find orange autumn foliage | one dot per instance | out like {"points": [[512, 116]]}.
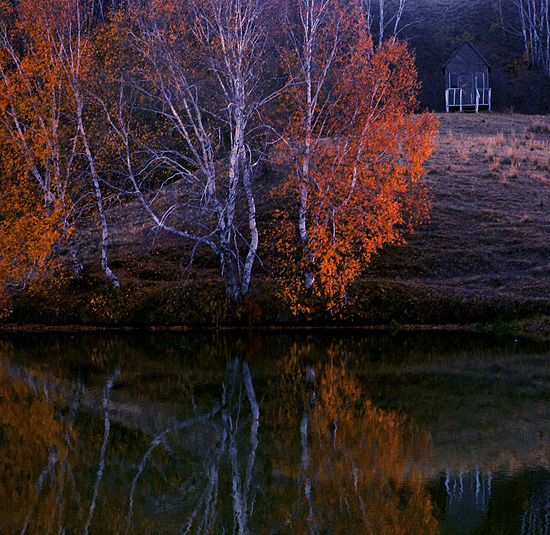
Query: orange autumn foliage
{"points": [[37, 146], [29, 234], [355, 471], [355, 166], [83, 105]]}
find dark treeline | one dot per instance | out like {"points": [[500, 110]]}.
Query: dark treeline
{"points": [[502, 31]]}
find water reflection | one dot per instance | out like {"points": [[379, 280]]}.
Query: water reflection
{"points": [[536, 516], [354, 471], [296, 435], [468, 496], [485, 503], [360, 457], [33, 448], [332, 463]]}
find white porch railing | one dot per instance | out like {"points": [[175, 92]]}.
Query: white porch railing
{"points": [[457, 97]]}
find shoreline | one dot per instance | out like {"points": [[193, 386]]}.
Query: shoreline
{"points": [[487, 329]]}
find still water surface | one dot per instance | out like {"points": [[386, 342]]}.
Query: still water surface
{"points": [[322, 433]]}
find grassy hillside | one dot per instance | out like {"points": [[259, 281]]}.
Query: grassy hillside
{"points": [[483, 257], [487, 244]]}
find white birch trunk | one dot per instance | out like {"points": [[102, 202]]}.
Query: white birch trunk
{"points": [[228, 36], [388, 20], [72, 56], [100, 206], [305, 41], [252, 225], [534, 28], [381, 22]]}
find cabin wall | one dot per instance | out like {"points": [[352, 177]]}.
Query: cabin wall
{"points": [[462, 69], [471, 76], [467, 80]]}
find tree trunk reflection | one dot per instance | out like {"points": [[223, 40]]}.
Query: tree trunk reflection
{"points": [[323, 460]]}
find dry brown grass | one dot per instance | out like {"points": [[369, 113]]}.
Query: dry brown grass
{"points": [[489, 233]]}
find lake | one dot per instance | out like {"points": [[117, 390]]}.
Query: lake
{"points": [[313, 432]]}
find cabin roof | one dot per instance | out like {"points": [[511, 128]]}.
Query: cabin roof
{"points": [[476, 51]]}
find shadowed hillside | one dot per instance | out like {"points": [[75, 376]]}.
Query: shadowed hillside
{"points": [[483, 256], [435, 28]]}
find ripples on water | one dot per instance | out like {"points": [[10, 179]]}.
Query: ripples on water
{"points": [[418, 433]]}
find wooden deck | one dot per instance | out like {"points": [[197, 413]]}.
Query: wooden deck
{"points": [[467, 99]]}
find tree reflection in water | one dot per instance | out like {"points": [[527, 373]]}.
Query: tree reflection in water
{"points": [[30, 437], [356, 462], [309, 455], [42, 456]]}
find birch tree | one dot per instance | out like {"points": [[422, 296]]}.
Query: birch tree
{"points": [[75, 55], [313, 38], [38, 147], [45, 107], [201, 68], [352, 147], [383, 18], [529, 19]]}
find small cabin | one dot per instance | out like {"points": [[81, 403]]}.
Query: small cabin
{"points": [[467, 80]]}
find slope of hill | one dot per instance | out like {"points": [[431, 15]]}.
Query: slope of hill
{"points": [[483, 256], [486, 249]]}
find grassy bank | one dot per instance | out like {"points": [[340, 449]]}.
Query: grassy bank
{"points": [[486, 246], [482, 258]]}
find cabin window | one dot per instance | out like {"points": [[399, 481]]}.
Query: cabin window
{"points": [[453, 80], [480, 80]]}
